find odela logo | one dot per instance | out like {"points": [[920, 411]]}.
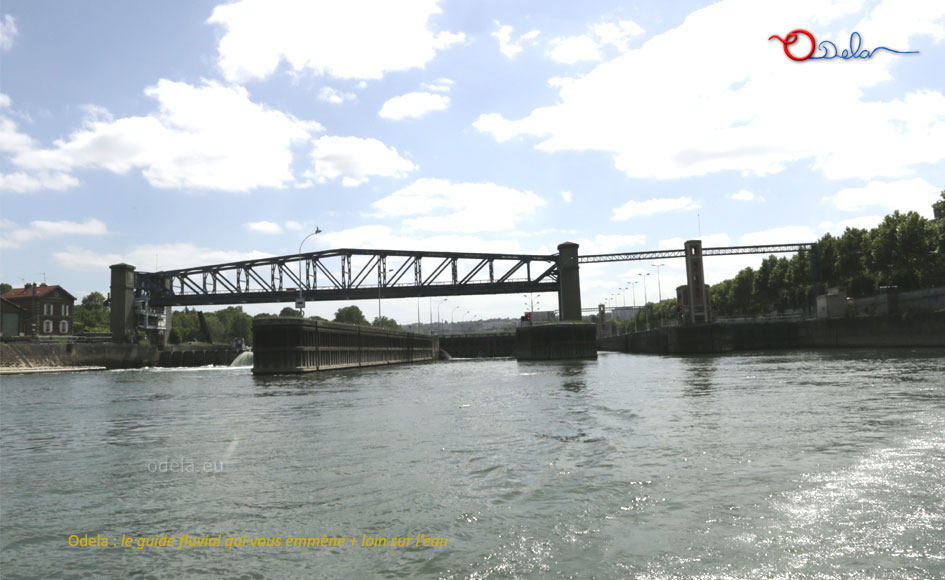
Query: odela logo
{"points": [[829, 49]]}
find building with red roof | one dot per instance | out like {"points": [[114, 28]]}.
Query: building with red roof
{"points": [[45, 310]]}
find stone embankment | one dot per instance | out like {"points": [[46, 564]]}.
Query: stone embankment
{"points": [[32, 356], [906, 330]]}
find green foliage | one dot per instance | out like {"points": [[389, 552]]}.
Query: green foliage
{"points": [[350, 315], [288, 312], [905, 250], [225, 325], [386, 323], [91, 315], [938, 208], [4, 287]]}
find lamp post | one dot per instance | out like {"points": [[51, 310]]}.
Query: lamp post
{"points": [[658, 286], [381, 279], [633, 289], [300, 302], [624, 291], [646, 310], [438, 319], [453, 314]]}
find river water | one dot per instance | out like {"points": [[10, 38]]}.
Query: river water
{"points": [[817, 465]]}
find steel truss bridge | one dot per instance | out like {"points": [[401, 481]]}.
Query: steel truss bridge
{"points": [[352, 274]]}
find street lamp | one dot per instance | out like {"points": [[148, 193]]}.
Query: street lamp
{"points": [[438, 319], [647, 312], [453, 314], [633, 288], [300, 302], [381, 279], [658, 286]]}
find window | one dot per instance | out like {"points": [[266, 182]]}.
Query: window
{"points": [[47, 309], [63, 327], [65, 310], [47, 326]]}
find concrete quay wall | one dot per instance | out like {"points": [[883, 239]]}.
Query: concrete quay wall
{"points": [[479, 345], [556, 341], [284, 345], [29, 354], [875, 331]]}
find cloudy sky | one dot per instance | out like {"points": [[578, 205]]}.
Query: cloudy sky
{"points": [[173, 134]]}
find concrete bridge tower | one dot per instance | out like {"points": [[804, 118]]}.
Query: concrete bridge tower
{"points": [[121, 301], [698, 310], [569, 281]]}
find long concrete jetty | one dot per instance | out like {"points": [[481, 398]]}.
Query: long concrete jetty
{"points": [[294, 345]]}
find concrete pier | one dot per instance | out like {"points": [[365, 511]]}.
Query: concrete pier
{"points": [[556, 342], [292, 345], [479, 345]]}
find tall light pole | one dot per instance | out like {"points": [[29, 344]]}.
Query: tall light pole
{"points": [[381, 279], [624, 290], [647, 311], [658, 286], [300, 302], [453, 314], [633, 288], [438, 319]]}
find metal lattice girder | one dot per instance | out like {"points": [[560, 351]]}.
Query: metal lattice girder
{"points": [[349, 274], [681, 253]]}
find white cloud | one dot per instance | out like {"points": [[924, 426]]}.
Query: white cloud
{"points": [[652, 206], [334, 96], [709, 241], [11, 139], [8, 32], [753, 114], [745, 195], [356, 39], [782, 235], [610, 243], [355, 160], [866, 222], [618, 33], [588, 47], [40, 229], [916, 195], [191, 142], [293, 226], [440, 85], [168, 257], [413, 105], [265, 227], [21, 182], [379, 236], [566, 196], [575, 49], [459, 207], [507, 46]]}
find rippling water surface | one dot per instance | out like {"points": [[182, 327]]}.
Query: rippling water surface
{"points": [[818, 465]]}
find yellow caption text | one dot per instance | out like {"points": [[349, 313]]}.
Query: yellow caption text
{"points": [[184, 541]]}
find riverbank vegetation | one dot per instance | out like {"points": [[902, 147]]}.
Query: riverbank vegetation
{"points": [[905, 251]]}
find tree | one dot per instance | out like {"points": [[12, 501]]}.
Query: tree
{"points": [[938, 208], [91, 315], [290, 313], [386, 323], [94, 300], [4, 287], [350, 315]]}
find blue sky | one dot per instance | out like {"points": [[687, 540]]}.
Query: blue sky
{"points": [[176, 134]]}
